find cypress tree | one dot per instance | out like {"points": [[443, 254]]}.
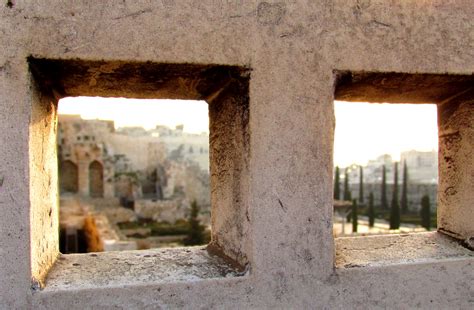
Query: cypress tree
{"points": [[395, 207], [196, 230], [347, 192], [337, 185], [354, 216], [425, 212], [361, 184], [384, 201], [371, 210], [404, 199]]}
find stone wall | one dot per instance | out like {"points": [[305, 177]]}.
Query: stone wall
{"points": [[270, 71]]}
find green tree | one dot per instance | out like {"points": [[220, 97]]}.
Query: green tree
{"points": [[384, 201], [425, 212], [196, 230], [371, 211], [347, 192], [337, 185], [361, 184], [404, 199], [395, 207], [354, 215]]}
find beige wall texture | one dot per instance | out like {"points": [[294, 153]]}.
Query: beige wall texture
{"points": [[269, 72]]}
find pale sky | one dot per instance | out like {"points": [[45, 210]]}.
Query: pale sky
{"points": [[363, 130], [138, 112], [366, 130]]}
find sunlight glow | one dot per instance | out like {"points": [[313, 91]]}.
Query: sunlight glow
{"points": [[363, 130], [139, 112], [366, 130]]}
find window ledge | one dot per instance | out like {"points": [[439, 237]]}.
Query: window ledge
{"points": [[93, 270], [385, 250]]}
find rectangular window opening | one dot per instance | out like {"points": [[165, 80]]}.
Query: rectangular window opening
{"points": [[152, 175], [371, 141], [139, 184], [379, 118]]}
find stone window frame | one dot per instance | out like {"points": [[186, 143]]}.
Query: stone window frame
{"points": [[226, 90], [454, 98]]}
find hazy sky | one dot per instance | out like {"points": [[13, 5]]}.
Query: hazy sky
{"points": [[363, 131], [139, 112], [366, 130]]}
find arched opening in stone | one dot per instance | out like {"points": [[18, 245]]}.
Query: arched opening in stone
{"points": [[96, 179], [68, 177]]}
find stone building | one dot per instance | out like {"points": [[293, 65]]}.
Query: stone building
{"points": [[95, 160], [423, 166], [270, 72], [84, 161]]}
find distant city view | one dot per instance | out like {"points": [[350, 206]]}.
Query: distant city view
{"points": [[131, 187], [129, 183], [386, 168]]}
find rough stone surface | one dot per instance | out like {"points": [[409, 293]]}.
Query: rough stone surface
{"points": [[456, 184], [43, 180], [279, 189], [96, 270], [397, 249], [400, 87]]}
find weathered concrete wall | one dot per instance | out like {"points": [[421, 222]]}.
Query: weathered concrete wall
{"points": [[292, 49], [455, 194], [229, 144], [43, 183]]}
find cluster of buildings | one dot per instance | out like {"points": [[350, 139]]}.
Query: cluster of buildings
{"points": [[135, 165]]}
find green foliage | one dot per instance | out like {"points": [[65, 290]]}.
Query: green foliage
{"points": [[354, 216], [425, 212], [337, 185], [384, 201], [371, 210], [410, 218], [347, 192], [196, 230], [395, 207], [361, 184], [163, 229], [159, 228], [404, 199]]}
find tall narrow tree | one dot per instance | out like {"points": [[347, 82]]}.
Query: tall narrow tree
{"points": [[337, 185], [354, 215], [361, 184], [347, 192], [384, 201], [425, 212], [371, 212], [196, 230], [404, 199], [395, 207]]}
